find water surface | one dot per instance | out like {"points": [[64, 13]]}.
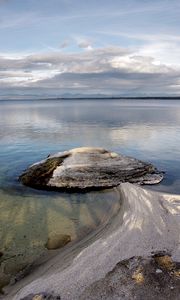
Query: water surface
{"points": [[30, 130]]}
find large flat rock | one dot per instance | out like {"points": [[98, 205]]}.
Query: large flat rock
{"points": [[87, 169]]}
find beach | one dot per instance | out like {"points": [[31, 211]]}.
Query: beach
{"points": [[146, 224]]}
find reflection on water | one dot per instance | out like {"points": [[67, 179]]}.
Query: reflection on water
{"points": [[146, 129], [29, 131]]}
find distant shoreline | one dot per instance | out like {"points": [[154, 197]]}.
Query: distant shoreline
{"points": [[95, 98]]}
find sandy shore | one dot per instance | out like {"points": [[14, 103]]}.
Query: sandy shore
{"points": [[147, 223]]}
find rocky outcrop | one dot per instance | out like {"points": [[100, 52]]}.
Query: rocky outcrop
{"points": [[137, 278], [88, 168]]}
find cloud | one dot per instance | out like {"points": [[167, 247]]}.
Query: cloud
{"points": [[85, 45], [142, 36], [163, 48], [110, 70]]}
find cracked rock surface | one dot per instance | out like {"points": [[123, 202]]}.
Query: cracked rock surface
{"points": [[87, 169]]}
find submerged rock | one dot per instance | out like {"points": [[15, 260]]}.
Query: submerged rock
{"points": [[57, 241], [88, 168]]}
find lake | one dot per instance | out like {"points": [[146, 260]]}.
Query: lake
{"points": [[30, 130]]}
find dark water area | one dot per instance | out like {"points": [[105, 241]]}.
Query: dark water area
{"points": [[30, 130]]}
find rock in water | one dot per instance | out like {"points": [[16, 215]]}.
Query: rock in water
{"points": [[87, 169], [57, 241]]}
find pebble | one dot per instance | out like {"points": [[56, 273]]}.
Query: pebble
{"points": [[158, 271]]}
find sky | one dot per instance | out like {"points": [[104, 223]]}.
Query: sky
{"points": [[64, 48]]}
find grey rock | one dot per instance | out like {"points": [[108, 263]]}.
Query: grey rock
{"points": [[87, 169]]}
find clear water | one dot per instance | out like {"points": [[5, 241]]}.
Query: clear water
{"points": [[29, 131]]}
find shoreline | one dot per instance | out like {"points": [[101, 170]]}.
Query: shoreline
{"points": [[94, 98], [146, 223]]}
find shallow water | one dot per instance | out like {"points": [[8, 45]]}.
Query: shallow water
{"points": [[29, 131]]}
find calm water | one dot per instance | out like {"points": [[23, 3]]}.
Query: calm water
{"points": [[29, 131]]}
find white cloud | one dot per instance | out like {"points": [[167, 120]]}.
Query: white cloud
{"points": [[163, 51], [85, 45], [111, 70], [163, 48], [138, 64]]}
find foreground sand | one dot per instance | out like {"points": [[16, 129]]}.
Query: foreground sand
{"points": [[147, 223]]}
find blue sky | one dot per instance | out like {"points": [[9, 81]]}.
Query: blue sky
{"points": [[70, 47]]}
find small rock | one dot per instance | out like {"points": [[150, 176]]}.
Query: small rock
{"points": [[158, 271], [165, 262], [138, 276], [38, 297], [41, 296], [57, 241]]}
